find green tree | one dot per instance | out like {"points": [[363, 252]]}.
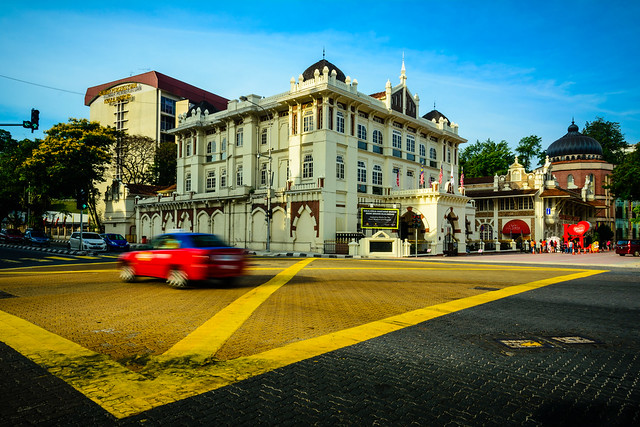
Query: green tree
{"points": [[486, 158], [165, 164], [136, 155], [14, 195], [608, 134], [625, 178], [530, 148], [72, 156]]}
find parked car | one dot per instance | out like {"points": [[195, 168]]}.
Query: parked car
{"points": [[115, 242], [183, 257], [624, 247], [11, 235], [36, 237], [90, 242]]}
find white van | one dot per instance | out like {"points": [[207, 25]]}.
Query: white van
{"points": [[90, 242]]}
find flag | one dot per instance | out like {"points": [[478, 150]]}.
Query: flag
{"points": [[398, 177], [462, 178], [453, 180], [421, 176], [440, 178]]}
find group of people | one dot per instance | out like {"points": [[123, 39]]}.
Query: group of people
{"points": [[571, 247]]}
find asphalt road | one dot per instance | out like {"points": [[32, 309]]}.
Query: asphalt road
{"points": [[322, 342]]}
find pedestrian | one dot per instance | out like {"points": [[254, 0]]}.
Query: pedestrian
{"points": [[571, 247]]}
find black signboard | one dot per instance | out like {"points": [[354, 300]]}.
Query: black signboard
{"points": [[379, 218]]}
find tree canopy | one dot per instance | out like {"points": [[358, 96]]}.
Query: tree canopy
{"points": [[72, 156], [625, 178], [529, 149], [165, 164], [136, 156], [609, 136], [486, 158]]}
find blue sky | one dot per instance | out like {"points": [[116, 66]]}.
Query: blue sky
{"points": [[500, 69]]}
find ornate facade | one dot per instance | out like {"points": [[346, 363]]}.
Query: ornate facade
{"points": [[305, 161]]}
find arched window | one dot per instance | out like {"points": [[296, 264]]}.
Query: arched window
{"points": [[307, 166], [240, 137], [570, 182], [340, 121], [377, 137], [339, 167], [362, 132], [433, 154], [239, 178], [486, 232], [423, 150], [362, 172], [376, 177]]}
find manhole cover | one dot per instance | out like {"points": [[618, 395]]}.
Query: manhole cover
{"points": [[522, 343], [574, 340]]}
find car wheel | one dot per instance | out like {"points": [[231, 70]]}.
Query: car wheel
{"points": [[127, 273], [177, 278], [636, 253], [69, 246], [621, 254]]}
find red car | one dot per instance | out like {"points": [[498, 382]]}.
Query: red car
{"points": [[183, 257]]}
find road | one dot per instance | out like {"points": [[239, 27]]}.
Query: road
{"points": [[322, 341]]}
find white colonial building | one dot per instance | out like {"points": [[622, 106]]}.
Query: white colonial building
{"points": [[313, 156]]}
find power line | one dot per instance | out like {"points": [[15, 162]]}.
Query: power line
{"points": [[36, 84]]}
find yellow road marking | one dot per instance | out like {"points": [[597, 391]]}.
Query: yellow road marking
{"points": [[57, 272], [61, 258], [11, 260], [86, 257], [164, 380], [36, 259], [207, 339]]}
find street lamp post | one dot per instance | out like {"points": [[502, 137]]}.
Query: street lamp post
{"points": [[269, 171]]}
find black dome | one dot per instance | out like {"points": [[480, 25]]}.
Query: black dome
{"points": [[308, 73], [575, 145], [435, 114]]}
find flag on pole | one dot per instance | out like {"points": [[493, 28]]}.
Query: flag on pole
{"points": [[453, 180], [462, 178], [421, 176], [440, 178], [398, 177]]}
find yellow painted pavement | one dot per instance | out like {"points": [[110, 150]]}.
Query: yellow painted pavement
{"points": [[188, 368]]}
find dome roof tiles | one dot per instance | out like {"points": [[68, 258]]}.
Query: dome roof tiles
{"points": [[308, 73], [574, 144]]}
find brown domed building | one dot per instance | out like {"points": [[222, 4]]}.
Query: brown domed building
{"points": [[536, 205]]}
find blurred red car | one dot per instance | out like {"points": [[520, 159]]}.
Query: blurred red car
{"points": [[183, 257]]}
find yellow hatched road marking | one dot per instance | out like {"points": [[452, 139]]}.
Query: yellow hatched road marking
{"points": [[207, 339], [61, 258], [11, 260], [166, 379], [36, 259]]}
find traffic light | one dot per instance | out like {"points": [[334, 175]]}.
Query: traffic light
{"points": [[81, 199], [34, 123], [35, 119], [417, 221]]}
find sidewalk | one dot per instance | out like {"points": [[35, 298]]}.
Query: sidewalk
{"points": [[601, 259]]}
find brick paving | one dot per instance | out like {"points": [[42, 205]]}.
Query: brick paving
{"points": [[449, 370]]}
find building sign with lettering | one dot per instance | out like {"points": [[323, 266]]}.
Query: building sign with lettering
{"points": [[121, 93], [384, 218]]}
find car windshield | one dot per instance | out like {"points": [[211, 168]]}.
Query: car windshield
{"points": [[111, 236], [623, 242], [91, 236], [207, 241], [38, 233]]}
